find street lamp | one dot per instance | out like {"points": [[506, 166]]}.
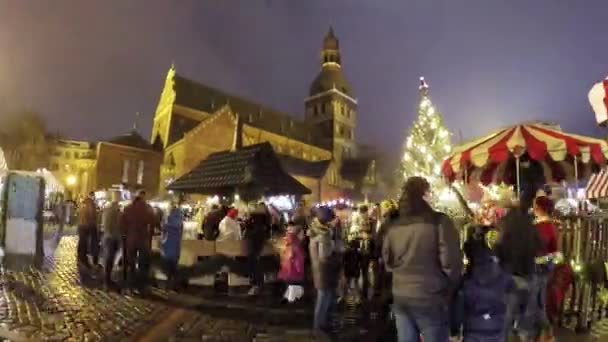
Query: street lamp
{"points": [[71, 180]]}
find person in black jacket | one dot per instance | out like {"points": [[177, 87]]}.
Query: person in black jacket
{"points": [[516, 249], [256, 233]]}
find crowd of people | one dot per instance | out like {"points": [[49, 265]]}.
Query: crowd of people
{"points": [[439, 290]]}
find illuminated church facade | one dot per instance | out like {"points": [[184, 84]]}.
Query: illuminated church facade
{"points": [[193, 120]]}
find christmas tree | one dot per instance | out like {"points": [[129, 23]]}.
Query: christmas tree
{"points": [[427, 143]]}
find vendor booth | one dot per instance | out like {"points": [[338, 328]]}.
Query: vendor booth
{"points": [[244, 174]]}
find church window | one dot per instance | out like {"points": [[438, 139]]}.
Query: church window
{"points": [[290, 123], [250, 117], [140, 172], [125, 170], [315, 111]]}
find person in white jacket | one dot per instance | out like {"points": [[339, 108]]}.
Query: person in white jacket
{"points": [[230, 228]]}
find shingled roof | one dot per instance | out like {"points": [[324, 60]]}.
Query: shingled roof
{"points": [[301, 167], [254, 169], [192, 94], [132, 139]]}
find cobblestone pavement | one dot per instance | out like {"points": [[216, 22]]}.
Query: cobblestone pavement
{"points": [[56, 303]]}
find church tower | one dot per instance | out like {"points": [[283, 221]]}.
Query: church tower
{"points": [[164, 110], [331, 106]]}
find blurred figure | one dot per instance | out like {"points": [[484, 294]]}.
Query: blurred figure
{"points": [[113, 233], [545, 261], [292, 263], [325, 268], [516, 248], [211, 222], [171, 243], [256, 230], [480, 307], [88, 233], [230, 228], [138, 222], [422, 250]]}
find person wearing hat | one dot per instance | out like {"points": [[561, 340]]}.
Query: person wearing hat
{"points": [[422, 250], [230, 228], [325, 267]]}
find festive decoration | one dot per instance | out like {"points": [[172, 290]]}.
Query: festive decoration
{"points": [[427, 143], [598, 98]]}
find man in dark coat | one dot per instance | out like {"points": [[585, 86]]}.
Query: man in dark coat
{"points": [[422, 250]]}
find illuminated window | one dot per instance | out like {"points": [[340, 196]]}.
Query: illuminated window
{"points": [[140, 172], [125, 170]]}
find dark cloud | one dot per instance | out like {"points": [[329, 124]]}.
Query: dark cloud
{"points": [[88, 66]]}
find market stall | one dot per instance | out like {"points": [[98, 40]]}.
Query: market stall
{"points": [[246, 174]]}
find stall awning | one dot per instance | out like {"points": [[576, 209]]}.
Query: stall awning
{"points": [[598, 185]]}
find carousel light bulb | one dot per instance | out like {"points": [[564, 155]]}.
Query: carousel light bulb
{"points": [[443, 133], [407, 157], [447, 148]]}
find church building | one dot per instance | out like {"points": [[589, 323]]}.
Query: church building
{"points": [[193, 120]]}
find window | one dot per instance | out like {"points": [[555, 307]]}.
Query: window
{"points": [[351, 134], [340, 129], [68, 155], [140, 172], [125, 170], [315, 111]]}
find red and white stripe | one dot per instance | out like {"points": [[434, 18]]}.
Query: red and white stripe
{"points": [[597, 187], [555, 149]]}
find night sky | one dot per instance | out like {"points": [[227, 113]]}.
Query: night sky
{"points": [[88, 66]]}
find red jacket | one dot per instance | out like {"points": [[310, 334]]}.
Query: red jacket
{"points": [[138, 221], [548, 235]]}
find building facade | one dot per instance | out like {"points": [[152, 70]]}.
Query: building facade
{"points": [[193, 120], [127, 160]]}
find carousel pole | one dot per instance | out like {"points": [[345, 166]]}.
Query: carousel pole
{"points": [[517, 175], [576, 175]]}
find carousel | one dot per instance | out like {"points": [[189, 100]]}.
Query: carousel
{"points": [[534, 155]]}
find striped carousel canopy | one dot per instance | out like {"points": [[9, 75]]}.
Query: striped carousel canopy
{"points": [[491, 159], [597, 187]]}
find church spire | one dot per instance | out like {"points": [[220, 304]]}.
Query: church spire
{"points": [[330, 55]]}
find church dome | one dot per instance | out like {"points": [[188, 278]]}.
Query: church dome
{"points": [[330, 78]]}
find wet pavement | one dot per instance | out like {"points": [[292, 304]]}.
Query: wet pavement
{"points": [[55, 303]]}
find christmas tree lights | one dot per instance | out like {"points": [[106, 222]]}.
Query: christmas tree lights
{"points": [[427, 143]]}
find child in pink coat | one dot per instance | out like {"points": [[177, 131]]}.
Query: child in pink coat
{"points": [[292, 263]]}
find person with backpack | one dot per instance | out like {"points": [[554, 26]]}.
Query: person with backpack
{"points": [[480, 308], [422, 250]]}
